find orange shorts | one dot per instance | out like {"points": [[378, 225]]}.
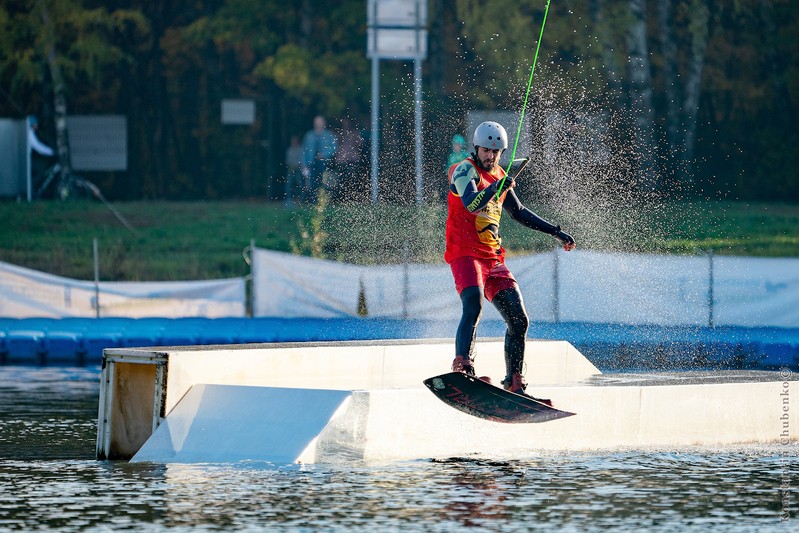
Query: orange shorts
{"points": [[491, 275]]}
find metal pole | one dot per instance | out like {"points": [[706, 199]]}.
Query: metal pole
{"points": [[375, 122], [710, 295], [417, 83], [28, 164], [96, 278], [405, 278], [556, 283], [251, 308], [289, 199]]}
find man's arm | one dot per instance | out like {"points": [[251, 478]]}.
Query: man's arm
{"points": [[330, 146], [527, 218], [38, 146], [464, 183]]}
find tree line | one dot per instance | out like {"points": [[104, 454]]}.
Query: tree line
{"points": [[692, 96]]}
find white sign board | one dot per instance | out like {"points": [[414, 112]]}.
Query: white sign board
{"points": [[14, 157], [397, 43], [98, 142], [238, 112], [397, 13]]}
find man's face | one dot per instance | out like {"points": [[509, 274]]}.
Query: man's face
{"points": [[488, 157]]}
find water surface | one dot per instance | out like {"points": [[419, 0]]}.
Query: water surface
{"points": [[50, 480]]}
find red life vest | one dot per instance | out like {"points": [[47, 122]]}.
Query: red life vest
{"points": [[474, 234]]}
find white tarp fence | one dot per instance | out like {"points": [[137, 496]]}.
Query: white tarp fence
{"points": [[28, 293], [579, 286]]}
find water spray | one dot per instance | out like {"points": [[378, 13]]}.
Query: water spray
{"points": [[524, 105]]}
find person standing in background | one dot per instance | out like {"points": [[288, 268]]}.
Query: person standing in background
{"points": [[293, 169], [318, 149], [33, 141], [459, 152], [348, 158], [37, 165]]}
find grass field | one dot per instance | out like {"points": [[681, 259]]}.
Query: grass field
{"points": [[205, 240]]}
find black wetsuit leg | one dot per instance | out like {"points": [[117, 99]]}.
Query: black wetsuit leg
{"points": [[472, 302], [510, 305]]}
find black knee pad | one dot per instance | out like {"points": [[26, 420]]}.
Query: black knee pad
{"points": [[510, 305]]}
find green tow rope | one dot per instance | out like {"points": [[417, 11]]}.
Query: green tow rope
{"points": [[526, 96]]}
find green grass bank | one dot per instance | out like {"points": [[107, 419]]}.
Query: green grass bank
{"points": [[205, 240]]}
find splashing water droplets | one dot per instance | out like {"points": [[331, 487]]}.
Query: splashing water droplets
{"points": [[582, 173], [583, 165]]}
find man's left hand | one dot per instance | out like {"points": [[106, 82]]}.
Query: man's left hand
{"points": [[565, 239]]}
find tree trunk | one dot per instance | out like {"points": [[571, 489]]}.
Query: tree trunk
{"points": [[306, 23], [641, 96], [436, 50], [670, 68], [160, 104], [60, 105], [776, 66], [598, 11], [682, 100], [699, 25]]}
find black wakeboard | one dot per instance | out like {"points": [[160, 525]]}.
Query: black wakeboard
{"points": [[478, 398]]}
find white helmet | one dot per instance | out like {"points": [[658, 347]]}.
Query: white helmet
{"points": [[490, 135]]}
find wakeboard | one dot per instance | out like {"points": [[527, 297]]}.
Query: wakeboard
{"points": [[478, 398]]}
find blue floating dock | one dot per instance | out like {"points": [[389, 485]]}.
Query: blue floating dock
{"points": [[611, 347]]}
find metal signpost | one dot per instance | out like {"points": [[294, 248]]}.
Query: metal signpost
{"points": [[397, 30]]}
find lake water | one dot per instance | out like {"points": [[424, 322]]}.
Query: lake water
{"points": [[49, 479]]}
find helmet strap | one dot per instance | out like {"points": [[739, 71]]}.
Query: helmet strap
{"points": [[477, 159]]}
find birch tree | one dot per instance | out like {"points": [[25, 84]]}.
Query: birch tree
{"points": [[61, 41], [683, 82], [640, 93]]}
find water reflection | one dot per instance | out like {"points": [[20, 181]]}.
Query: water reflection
{"points": [[634, 490], [48, 479], [48, 413]]}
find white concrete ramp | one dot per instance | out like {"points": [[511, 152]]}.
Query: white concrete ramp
{"points": [[141, 386], [228, 423], [362, 401]]}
